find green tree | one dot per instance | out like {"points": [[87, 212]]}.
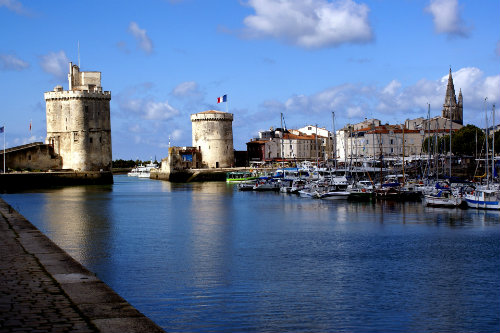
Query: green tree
{"points": [[463, 142]]}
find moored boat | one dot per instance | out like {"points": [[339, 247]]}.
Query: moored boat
{"points": [[443, 198], [483, 198], [240, 176]]}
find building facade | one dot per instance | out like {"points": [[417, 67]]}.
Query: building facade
{"points": [[78, 122], [212, 135]]}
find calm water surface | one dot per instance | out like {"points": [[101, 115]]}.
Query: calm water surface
{"points": [[205, 257]]}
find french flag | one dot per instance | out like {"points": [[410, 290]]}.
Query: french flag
{"points": [[222, 99]]}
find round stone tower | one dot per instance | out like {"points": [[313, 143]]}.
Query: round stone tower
{"points": [[213, 136], [78, 122]]}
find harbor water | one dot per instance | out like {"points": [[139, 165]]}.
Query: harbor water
{"points": [[204, 257]]}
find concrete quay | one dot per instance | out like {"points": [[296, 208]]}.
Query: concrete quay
{"points": [[16, 181], [43, 289]]}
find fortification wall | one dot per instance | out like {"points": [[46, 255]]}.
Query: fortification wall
{"points": [[35, 156]]}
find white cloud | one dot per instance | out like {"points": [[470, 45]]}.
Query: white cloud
{"points": [[392, 87], [310, 23], [392, 102], [184, 89], [176, 134], [15, 6], [11, 62], [56, 64], [159, 110], [145, 43], [446, 17], [354, 112], [145, 106]]}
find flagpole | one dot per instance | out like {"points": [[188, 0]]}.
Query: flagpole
{"points": [[3, 149]]}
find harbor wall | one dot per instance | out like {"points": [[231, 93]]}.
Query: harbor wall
{"points": [[31, 180], [191, 175]]}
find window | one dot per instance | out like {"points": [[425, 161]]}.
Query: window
{"points": [[75, 136], [90, 140]]}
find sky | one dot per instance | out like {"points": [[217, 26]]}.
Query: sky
{"points": [[164, 60]]}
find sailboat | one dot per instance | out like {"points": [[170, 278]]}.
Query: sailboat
{"points": [[485, 198]]}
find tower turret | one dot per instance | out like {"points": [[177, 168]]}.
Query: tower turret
{"points": [[213, 136], [78, 122]]}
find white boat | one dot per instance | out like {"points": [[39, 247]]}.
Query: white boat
{"points": [[335, 195], [442, 198], [142, 171], [483, 198]]}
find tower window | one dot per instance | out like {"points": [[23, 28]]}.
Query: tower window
{"points": [[75, 136], [90, 140]]}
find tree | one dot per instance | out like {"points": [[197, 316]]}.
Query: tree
{"points": [[463, 142]]}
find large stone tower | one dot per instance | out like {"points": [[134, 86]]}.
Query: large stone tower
{"points": [[78, 122], [451, 108], [213, 136]]}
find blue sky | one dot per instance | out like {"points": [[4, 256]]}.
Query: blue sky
{"points": [[165, 60]]}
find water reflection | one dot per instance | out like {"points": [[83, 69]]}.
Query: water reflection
{"points": [[79, 220], [206, 257]]}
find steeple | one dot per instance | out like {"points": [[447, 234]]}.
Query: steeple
{"points": [[450, 99], [451, 109]]}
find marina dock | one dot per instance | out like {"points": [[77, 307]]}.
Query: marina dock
{"points": [[43, 289]]}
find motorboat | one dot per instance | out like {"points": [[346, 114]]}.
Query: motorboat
{"points": [[483, 198]]}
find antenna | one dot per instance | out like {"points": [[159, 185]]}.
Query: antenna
{"points": [[78, 54]]}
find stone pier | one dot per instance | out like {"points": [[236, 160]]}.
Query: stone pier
{"points": [[43, 289]]}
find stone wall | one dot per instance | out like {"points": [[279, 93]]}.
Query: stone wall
{"points": [[34, 156], [79, 128]]}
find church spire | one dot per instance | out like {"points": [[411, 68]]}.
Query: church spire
{"points": [[450, 99], [451, 109]]}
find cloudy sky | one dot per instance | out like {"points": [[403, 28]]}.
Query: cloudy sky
{"points": [[164, 60]]}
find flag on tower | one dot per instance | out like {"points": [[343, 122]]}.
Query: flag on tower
{"points": [[222, 99], [2, 129], [30, 126]]}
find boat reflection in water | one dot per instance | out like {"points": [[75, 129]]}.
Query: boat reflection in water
{"points": [[207, 257]]}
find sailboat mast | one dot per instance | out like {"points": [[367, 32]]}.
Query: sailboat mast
{"points": [[428, 139], [334, 136], [282, 152], [451, 129], [487, 136], [493, 146]]}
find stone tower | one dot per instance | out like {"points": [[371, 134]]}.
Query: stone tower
{"points": [[78, 122], [451, 108], [213, 136]]}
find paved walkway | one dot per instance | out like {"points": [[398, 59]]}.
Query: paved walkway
{"points": [[43, 289]]}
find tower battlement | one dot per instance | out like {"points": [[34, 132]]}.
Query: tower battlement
{"points": [[76, 94], [212, 115]]}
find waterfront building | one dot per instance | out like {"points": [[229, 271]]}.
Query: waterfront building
{"points": [[292, 145], [212, 135], [78, 122], [323, 140], [391, 141]]}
